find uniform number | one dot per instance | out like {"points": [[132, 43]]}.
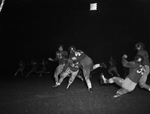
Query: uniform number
{"points": [[142, 70]]}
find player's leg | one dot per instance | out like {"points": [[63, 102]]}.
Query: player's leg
{"points": [[71, 79], [41, 72], [87, 65], [143, 79], [57, 72], [116, 71], [63, 75], [120, 92], [127, 86], [87, 79], [116, 80], [79, 75], [17, 72], [29, 73]]}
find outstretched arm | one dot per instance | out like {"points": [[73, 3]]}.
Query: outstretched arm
{"points": [[55, 59], [127, 64], [50, 59]]}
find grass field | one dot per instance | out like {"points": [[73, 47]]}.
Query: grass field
{"points": [[36, 96]]}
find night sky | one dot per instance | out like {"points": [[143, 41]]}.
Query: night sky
{"points": [[33, 29]]}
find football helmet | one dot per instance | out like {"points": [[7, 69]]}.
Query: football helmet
{"points": [[72, 49], [139, 46], [60, 47]]}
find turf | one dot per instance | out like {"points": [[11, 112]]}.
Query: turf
{"points": [[36, 96]]}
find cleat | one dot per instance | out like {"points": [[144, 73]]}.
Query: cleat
{"points": [[117, 95], [55, 86]]}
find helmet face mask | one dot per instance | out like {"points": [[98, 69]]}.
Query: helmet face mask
{"points": [[139, 46]]}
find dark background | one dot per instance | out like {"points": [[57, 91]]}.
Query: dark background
{"points": [[33, 29]]}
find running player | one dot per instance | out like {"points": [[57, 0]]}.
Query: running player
{"points": [[61, 57]]}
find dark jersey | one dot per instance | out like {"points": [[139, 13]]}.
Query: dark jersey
{"points": [[61, 56], [136, 70], [74, 66], [145, 55]]}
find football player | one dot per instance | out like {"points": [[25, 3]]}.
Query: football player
{"points": [[136, 71], [44, 70], [141, 51], [70, 69], [21, 68], [33, 69], [78, 56], [61, 57]]}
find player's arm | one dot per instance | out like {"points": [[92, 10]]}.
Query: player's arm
{"points": [[127, 64], [55, 59]]}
